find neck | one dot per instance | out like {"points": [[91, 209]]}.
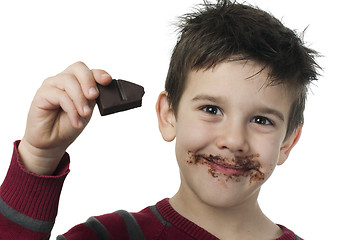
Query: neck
{"points": [[230, 222]]}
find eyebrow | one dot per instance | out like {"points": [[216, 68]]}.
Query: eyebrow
{"points": [[202, 97], [272, 111]]}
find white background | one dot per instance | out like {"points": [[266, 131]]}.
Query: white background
{"points": [[121, 161]]}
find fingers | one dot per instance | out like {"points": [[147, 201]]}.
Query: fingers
{"points": [[69, 84], [74, 90], [101, 76], [52, 98], [88, 78]]}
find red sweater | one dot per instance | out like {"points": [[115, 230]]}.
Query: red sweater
{"points": [[29, 204]]}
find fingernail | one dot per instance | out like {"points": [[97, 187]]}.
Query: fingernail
{"points": [[80, 123], [93, 91], [86, 109], [105, 75]]}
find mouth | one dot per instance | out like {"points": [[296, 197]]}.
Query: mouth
{"points": [[219, 164], [233, 169]]}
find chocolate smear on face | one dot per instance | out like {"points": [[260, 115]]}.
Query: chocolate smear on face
{"points": [[244, 166]]}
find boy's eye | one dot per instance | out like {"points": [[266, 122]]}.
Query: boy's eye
{"points": [[261, 120], [212, 110]]}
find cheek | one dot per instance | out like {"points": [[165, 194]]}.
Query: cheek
{"points": [[269, 152], [192, 135], [270, 164]]}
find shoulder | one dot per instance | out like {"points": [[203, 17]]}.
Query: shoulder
{"points": [[121, 222], [151, 222], [288, 234], [145, 224], [103, 227]]}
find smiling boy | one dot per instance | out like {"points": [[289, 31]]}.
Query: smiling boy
{"points": [[229, 112], [233, 101]]}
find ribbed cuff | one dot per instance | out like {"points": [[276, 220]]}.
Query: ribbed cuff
{"points": [[33, 195]]}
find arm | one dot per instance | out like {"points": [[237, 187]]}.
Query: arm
{"points": [[61, 109], [29, 202]]}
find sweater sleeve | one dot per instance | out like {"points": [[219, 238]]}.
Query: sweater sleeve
{"points": [[29, 202]]}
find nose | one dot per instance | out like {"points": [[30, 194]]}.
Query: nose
{"points": [[233, 137]]}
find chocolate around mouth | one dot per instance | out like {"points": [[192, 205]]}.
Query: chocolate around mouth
{"points": [[245, 163], [243, 166]]}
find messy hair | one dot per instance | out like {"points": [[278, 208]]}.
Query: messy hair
{"points": [[229, 30]]}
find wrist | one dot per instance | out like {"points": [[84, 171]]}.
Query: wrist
{"points": [[39, 161]]}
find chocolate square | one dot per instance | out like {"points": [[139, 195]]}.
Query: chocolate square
{"points": [[119, 95]]}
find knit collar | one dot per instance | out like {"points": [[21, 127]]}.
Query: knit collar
{"points": [[172, 216]]}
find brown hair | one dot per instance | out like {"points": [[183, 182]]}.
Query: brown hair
{"points": [[229, 30]]}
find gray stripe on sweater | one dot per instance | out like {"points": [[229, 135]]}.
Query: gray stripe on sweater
{"points": [[24, 220], [98, 227], [133, 228], [159, 216], [60, 237]]}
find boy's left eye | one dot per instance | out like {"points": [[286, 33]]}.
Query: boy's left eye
{"points": [[261, 120], [211, 109]]}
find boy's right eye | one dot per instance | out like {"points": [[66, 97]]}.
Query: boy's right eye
{"points": [[211, 109]]}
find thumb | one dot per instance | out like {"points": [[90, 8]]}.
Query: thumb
{"points": [[101, 76]]}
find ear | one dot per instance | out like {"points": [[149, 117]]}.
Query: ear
{"points": [[288, 144], [166, 118]]}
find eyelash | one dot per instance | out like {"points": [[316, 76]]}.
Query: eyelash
{"points": [[262, 120], [214, 110], [211, 109]]}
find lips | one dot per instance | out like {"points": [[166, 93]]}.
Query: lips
{"points": [[220, 165], [227, 169], [236, 167], [232, 168]]}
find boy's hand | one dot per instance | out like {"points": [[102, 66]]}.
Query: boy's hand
{"points": [[61, 109]]}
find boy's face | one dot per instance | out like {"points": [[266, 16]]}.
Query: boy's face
{"points": [[230, 131]]}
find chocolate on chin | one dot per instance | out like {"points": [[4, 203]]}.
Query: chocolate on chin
{"points": [[119, 95]]}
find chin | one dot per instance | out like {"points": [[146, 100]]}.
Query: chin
{"points": [[223, 194]]}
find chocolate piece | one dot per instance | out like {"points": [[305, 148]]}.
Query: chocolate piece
{"points": [[119, 95]]}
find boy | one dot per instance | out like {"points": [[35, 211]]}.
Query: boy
{"points": [[233, 100]]}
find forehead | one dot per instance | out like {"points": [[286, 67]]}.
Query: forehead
{"points": [[239, 82], [242, 73]]}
